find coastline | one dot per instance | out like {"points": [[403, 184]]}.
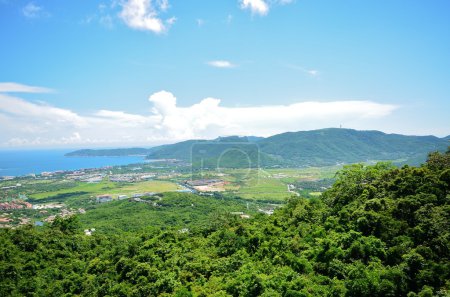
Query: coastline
{"points": [[28, 162]]}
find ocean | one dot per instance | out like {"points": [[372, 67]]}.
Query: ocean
{"points": [[23, 162]]}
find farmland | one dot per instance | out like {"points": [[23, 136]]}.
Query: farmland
{"points": [[255, 184], [77, 192], [106, 186], [271, 184]]}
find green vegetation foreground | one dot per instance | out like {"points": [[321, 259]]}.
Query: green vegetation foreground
{"points": [[379, 231]]}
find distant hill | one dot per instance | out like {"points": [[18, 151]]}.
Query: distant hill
{"points": [[304, 148], [239, 139], [179, 150], [110, 152], [310, 148], [232, 151], [333, 145]]}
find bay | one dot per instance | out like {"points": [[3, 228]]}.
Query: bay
{"points": [[23, 162]]}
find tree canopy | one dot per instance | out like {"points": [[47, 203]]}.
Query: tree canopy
{"points": [[378, 231]]}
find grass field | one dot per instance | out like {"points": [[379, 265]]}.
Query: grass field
{"points": [[259, 185], [148, 186], [107, 187], [295, 174], [271, 184], [91, 188]]}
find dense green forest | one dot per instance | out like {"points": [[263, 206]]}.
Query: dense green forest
{"points": [[378, 231], [172, 210]]}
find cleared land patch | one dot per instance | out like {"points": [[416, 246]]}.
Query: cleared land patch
{"points": [[110, 188]]}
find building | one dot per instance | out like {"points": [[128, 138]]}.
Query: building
{"points": [[104, 198]]}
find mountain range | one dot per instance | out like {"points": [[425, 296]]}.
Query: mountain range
{"points": [[292, 149]]}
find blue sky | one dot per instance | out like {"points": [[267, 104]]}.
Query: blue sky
{"points": [[267, 66]]}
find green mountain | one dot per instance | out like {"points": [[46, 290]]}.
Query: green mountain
{"points": [[179, 150], [331, 146], [226, 152], [304, 148]]}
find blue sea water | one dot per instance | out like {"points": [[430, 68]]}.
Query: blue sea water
{"points": [[22, 162]]}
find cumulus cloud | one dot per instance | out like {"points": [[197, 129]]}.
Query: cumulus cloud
{"points": [[145, 15], [208, 118], [26, 123], [221, 64], [261, 7], [256, 6]]}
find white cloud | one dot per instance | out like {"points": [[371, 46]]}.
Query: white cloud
{"points": [[221, 64], [208, 119], [163, 5], [256, 6], [25, 123], [11, 87], [33, 11], [145, 15], [25, 110], [262, 7], [125, 119]]}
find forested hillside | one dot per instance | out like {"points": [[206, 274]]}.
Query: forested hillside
{"points": [[308, 148], [379, 231], [292, 149], [331, 146]]}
